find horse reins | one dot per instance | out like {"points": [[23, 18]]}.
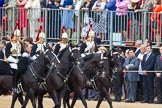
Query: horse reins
{"points": [[36, 76], [55, 57]]}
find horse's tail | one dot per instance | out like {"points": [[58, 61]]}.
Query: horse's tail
{"points": [[23, 65]]}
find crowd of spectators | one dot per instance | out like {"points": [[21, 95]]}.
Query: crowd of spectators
{"points": [[28, 15], [142, 69], [30, 12], [145, 65]]}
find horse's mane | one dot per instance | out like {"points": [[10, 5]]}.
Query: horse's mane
{"points": [[23, 64], [88, 57], [4, 68], [40, 58], [62, 52]]}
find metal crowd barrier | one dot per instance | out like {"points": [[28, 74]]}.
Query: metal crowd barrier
{"points": [[111, 28]]}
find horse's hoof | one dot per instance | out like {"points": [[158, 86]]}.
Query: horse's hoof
{"points": [[23, 107]]}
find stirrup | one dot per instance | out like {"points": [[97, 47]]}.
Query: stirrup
{"points": [[16, 90], [89, 83]]}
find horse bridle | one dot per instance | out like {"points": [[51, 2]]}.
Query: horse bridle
{"points": [[115, 68], [34, 73], [55, 66], [76, 58], [101, 62], [54, 57]]}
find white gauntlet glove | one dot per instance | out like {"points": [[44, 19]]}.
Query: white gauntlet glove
{"points": [[12, 59]]}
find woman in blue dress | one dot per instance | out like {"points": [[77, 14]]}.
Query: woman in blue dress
{"points": [[68, 14]]}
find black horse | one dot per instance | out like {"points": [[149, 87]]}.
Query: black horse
{"points": [[6, 83], [97, 66], [31, 74], [57, 78], [115, 65]]}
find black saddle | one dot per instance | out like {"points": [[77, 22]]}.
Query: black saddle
{"points": [[5, 68]]}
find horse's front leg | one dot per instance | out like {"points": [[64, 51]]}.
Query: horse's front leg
{"points": [[29, 95], [74, 100], [26, 101], [66, 99], [20, 98], [32, 98], [105, 93], [40, 101], [14, 98], [79, 93], [99, 101], [41, 93], [54, 96], [60, 96]]}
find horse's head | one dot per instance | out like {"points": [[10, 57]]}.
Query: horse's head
{"points": [[51, 57], [42, 63], [64, 55], [42, 59], [114, 58], [75, 55]]}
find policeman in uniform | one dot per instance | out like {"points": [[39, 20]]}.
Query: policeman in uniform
{"points": [[39, 47], [62, 44], [13, 52]]}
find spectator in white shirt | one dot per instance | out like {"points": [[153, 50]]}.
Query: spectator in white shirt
{"points": [[140, 82], [34, 13]]}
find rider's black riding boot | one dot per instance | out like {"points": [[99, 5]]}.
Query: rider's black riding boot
{"points": [[15, 81]]}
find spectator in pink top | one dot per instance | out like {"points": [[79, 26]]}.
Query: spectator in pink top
{"points": [[121, 16], [122, 7]]}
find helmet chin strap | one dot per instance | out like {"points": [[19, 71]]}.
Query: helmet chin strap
{"points": [[101, 56]]}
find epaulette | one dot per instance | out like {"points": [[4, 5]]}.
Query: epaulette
{"points": [[8, 42], [34, 42]]}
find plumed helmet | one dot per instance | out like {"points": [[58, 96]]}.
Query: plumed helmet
{"points": [[64, 35], [92, 33], [42, 35], [17, 32]]}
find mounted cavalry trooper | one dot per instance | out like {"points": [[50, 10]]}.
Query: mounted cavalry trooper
{"points": [[14, 49], [13, 52], [88, 46], [39, 47], [62, 44]]}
